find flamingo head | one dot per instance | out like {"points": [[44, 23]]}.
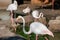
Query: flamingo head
{"points": [[26, 10], [18, 18], [15, 2], [35, 14], [41, 15]]}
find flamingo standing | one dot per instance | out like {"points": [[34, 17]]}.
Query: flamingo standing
{"points": [[36, 14], [12, 7], [37, 28]]}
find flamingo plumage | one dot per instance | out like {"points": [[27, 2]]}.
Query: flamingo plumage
{"points": [[12, 7], [37, 28], [26, 10]]}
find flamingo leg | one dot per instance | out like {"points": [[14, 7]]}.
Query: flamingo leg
{"points": [[46, 38], [36, 37], [11, 17], [12, 21]]}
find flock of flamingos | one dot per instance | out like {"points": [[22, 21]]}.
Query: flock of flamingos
{"points": [[35, 27]]}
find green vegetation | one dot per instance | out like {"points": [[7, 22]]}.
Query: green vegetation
{"points": [[31, 36]]}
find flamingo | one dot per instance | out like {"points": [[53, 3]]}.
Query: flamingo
{"points": [[12, 7], [37, 28], [26, 10], [36, 14]]}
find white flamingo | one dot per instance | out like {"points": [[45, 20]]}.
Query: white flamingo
{"points": [[37, 15], [12, 7], [37, 28], [27, 10]]}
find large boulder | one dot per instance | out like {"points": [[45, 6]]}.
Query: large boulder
{"points": [[27, 18], [43, 20], [54, 25], [58, 18]]}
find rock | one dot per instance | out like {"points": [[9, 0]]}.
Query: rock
{"points": [[58, 18], [27, 18], [54, 25], [43, 20]]}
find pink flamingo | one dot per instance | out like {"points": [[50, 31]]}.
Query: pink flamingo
{"points": [[37, 28]]}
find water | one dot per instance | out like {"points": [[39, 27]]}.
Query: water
{"points": [[13, 38], [4, 15]]}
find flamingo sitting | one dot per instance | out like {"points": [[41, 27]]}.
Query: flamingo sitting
{"points": [[36, 14], [26, 10], [12, 7], [37, 28]]}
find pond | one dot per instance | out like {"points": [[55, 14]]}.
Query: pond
{"points": [[4, 15]]}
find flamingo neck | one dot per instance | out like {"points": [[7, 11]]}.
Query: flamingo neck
{"points": [[41, 15], [24, 26]]}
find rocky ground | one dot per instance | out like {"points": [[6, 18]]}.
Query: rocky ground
{"points": [[5, 25]]}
